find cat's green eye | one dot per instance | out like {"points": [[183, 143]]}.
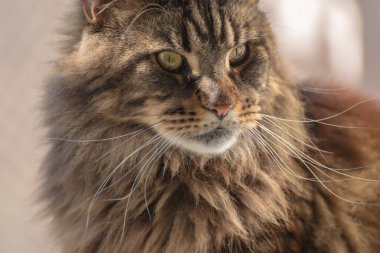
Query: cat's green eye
{"points": [[170, 60], [238, 55]]}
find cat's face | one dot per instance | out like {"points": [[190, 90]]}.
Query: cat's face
{"points": [[193, 69]]}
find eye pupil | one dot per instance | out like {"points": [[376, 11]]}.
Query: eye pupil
{"points": [[169, 60], [238, 55]]}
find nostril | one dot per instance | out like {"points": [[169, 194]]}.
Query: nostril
{"points": [[193, 79], [221, 110]]}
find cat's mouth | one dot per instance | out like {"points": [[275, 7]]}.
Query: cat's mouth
{"points": [[214, 142], [215, 136]]}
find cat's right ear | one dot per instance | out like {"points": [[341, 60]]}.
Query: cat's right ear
{"points": [[90, 9], [93, 9]]}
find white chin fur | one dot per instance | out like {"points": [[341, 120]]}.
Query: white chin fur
{"points": [[203, 148]]}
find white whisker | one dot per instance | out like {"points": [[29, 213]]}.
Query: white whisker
{"points": [[321, 121], [311, 160], [277, 158], [105, 139], [312, 146], [100, 189], [147, 8], [139, 176]]}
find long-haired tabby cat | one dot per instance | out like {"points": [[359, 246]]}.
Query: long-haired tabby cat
{"points": [[181, 132]]}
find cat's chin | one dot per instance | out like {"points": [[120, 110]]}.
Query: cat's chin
{"points": [[214, 143]]}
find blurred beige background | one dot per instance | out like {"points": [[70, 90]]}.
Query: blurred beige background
{"points": [[315, 35], [27, 40]]}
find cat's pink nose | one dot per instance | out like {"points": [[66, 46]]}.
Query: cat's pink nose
{"points": [[221, 110]]}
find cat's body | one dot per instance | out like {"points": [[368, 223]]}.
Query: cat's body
{"points": [[148, 167]]}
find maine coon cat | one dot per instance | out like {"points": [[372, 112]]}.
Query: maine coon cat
{"points": [[177, 129]]}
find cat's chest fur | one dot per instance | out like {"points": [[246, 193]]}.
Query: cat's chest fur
{"points": [[228, 209]]}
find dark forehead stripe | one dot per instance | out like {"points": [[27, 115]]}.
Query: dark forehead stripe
{"points": [[205, 9], [235, 30], [185, 38], [222, 35], [210, 11], [189, 20]]}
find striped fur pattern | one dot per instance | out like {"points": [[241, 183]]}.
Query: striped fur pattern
{"points": [[138, 164]]}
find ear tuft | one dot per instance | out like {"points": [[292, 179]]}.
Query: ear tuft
{"points": [[93, 8], [89, 8]]}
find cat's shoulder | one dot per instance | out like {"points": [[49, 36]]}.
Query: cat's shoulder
{"points": [[343, 119], [341, 104]]}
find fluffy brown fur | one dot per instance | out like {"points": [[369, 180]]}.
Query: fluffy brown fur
{"points": [[125, 175]]}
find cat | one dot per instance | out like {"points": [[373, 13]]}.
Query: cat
{"points": [[175, 127]]}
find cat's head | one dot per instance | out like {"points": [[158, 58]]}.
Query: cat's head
{"points": [[195, 70]]}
